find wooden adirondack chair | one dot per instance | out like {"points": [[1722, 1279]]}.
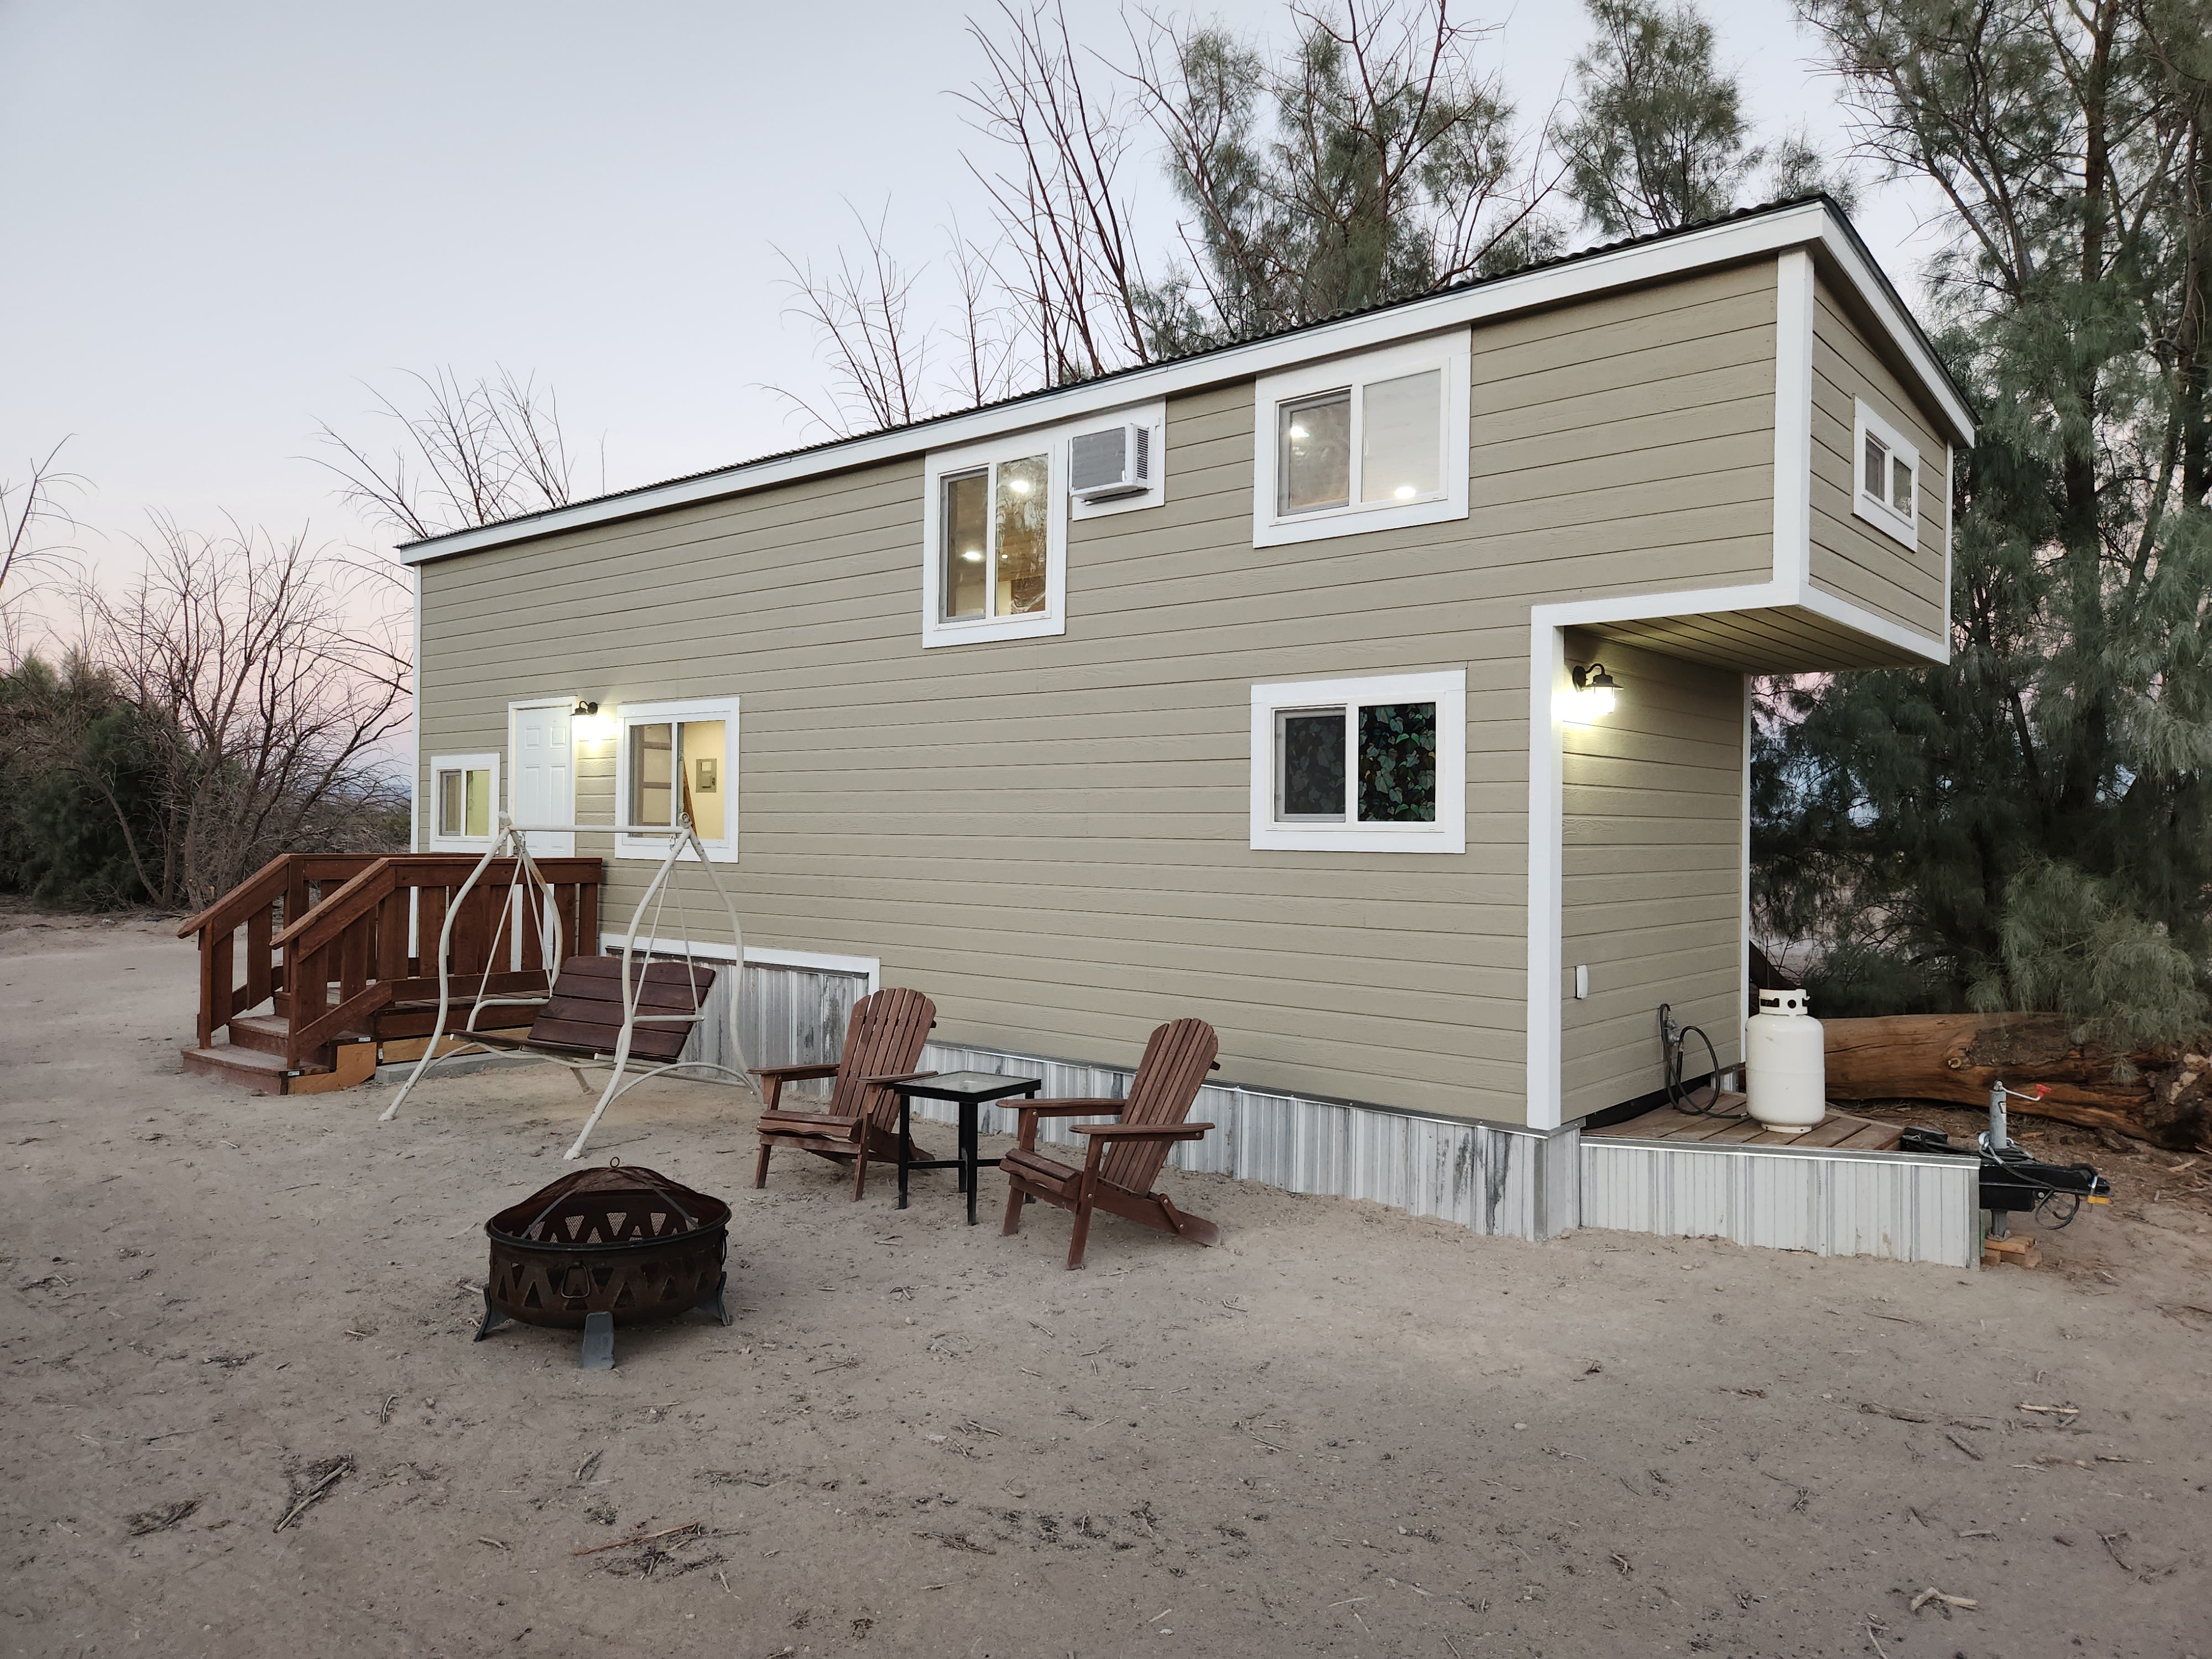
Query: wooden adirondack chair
{"points": [[1120, 1180], [882, 1040]]}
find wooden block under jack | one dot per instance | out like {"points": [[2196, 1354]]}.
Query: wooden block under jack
{"points": [[2017, 1250]]}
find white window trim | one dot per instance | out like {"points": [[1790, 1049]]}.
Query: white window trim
{"points": [[656, 848], [1877, 509], [1449, 352], [1447, 688], [1153, 415], [1051, 443], [489, 761]]}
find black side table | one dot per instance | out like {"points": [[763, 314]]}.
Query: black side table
{"points": [[968, 1091]]}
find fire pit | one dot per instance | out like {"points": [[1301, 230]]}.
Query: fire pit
{"points": [[618, 1245]]}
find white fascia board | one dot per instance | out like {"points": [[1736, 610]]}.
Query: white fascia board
{"points": [[1677, 256], [1874, 294]]}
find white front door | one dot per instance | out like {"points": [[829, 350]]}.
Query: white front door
{"points": [[543, 767]]}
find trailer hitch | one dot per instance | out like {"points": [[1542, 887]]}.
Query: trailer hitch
{"points": [[2010, 1179]]}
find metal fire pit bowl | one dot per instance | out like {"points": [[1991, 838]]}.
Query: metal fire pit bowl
{"points": [[619, 1245]]}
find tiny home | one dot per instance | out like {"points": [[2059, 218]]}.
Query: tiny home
{"points": [[1376, 692]]}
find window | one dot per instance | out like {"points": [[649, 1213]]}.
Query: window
{"points": [[1362, 444], [1377, 764], [995, 538], [464, 802], [678, 758], [1888, 469]]}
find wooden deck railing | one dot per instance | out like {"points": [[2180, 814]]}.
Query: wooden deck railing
{"points": [[319, 923]]}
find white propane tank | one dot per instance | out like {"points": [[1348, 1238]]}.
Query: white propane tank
{"points": [[1785, 1060]]}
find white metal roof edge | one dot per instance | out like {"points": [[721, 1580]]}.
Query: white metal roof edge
{"points": [[1812, 221]]}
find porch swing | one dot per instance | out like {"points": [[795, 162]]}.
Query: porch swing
{"points": [[571, 1027]]}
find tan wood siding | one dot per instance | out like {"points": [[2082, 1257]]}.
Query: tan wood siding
{"points": [[1651, 871], [1049, 836], [1851, 558]]}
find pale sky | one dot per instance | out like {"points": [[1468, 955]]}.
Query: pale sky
{"points": [[220, 218]]}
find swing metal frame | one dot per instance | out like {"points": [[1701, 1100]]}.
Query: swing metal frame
{"points": [[528, 891]]}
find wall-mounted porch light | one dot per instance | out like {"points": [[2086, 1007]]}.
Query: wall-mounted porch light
{"points": [[589, 725], [1593, 696], [1598, 685]]}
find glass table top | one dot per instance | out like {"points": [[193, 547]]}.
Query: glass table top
{"points": [[970, 1083]]}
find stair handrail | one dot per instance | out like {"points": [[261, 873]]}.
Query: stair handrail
{"points": [[323, 923], [265, 886]]}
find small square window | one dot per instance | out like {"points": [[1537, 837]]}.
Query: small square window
{"points": [[1369, 765], [464, 800], [1888, 467]]}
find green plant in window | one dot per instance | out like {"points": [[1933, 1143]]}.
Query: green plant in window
{"points": [[1398, 763]]}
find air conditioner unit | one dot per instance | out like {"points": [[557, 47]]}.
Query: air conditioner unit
{"points": [[1117, 461]]}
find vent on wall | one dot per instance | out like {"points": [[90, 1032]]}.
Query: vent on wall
{"points": [[1117, 461]]}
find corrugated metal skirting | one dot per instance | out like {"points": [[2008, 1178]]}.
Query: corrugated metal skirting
{"points": [[1833, 1203], [1512, 1182], [789, 1017]]}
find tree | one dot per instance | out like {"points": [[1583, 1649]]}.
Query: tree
{"points": [[1376, 161], [63, 840], [262, 680], [1659, 138], [471, 453], [27, 512], [2030, 825]]}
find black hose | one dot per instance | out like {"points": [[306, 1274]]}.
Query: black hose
{"points": [[1673, 1040]]}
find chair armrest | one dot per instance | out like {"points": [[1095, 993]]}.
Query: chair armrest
{"points": [[1061, 1108], [794, 1074], [1142, 1131], [1031, 1110], [897, 1077]]}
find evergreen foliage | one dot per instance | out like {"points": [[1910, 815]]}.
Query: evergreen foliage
{"points": [[2028, 826], [74, 771]]}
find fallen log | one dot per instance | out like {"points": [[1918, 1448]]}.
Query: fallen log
{"points": [[1956, 1058]]}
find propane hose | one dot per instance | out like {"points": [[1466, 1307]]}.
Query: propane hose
{"points": [[1674, 1042]]}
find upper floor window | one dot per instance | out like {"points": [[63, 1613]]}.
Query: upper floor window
{"points": [[995, 540], [1363, 443], [1888, 468], [679, 757], [464, 802]]}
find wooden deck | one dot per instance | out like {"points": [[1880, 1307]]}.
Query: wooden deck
{"points": [[1727, 1125]]}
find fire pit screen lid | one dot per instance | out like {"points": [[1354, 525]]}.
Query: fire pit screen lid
{"points": [[590, 1201]]}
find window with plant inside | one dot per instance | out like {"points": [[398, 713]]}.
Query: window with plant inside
{"points": [[1375, 763]]}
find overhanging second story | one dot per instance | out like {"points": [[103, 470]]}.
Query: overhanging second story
{"points": [[1730, 444]]}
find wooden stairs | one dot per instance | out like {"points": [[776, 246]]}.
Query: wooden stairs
{"points": [[333, 983]]}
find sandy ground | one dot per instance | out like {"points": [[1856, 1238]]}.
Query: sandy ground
{"points": [[1344, 1431]]}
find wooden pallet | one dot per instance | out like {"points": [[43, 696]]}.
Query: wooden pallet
{"points": [[1728, 1126]]}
